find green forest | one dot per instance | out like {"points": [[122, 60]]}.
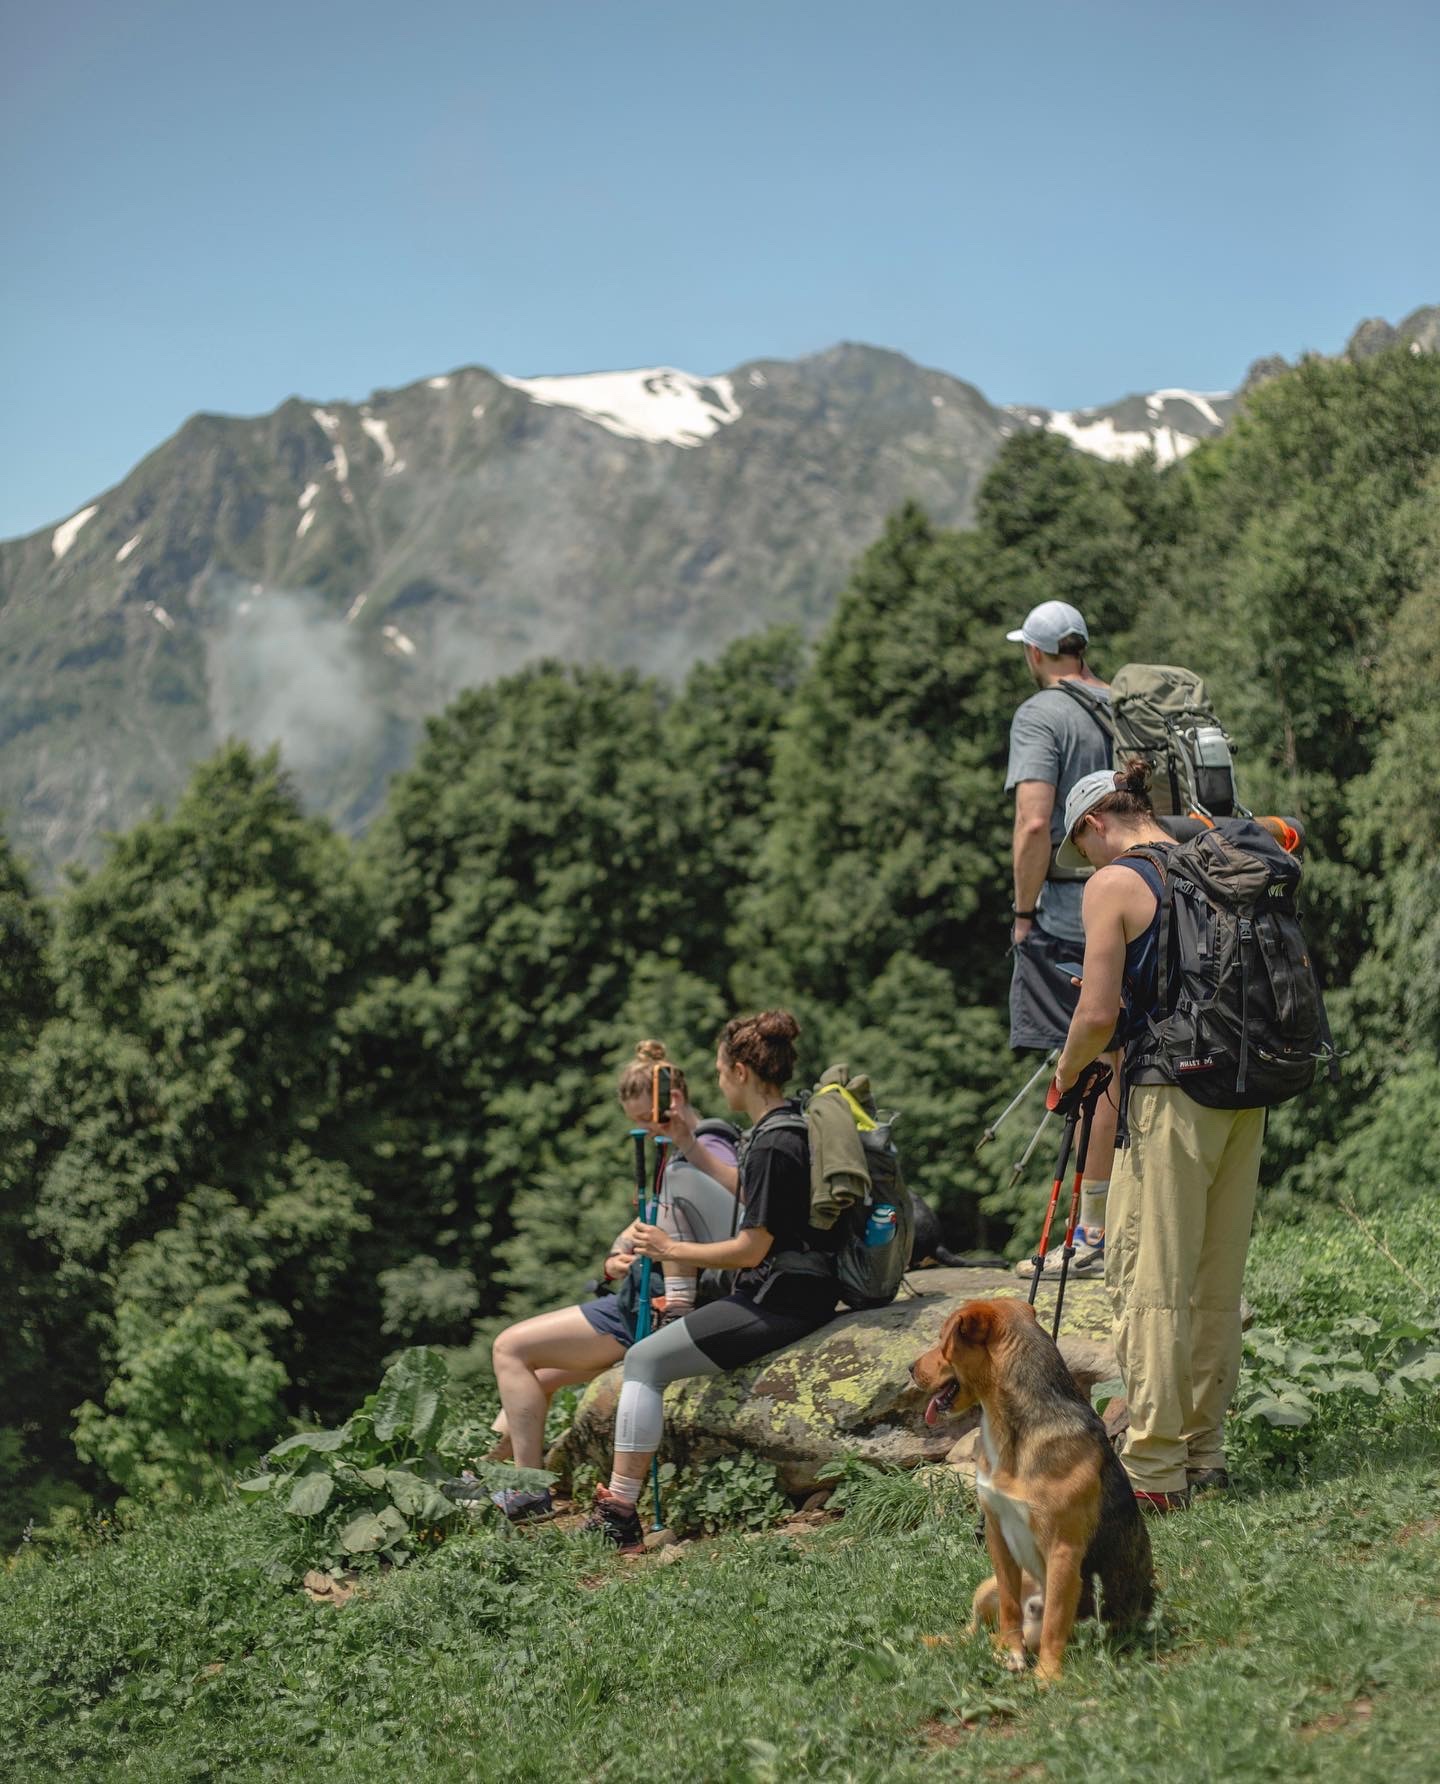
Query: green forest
{"points": [[278, 1104]]}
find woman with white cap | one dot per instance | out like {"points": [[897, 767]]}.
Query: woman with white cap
{"points": [[1183, 1189]]}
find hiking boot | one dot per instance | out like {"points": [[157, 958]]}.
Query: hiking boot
{"points": [[1157, 1505], [522, 1505], [1207, 1480], [617, 1522], [1089, 1260]]}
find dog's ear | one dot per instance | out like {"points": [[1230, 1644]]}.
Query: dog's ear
{"points": [[1026, 1312], [973, 1323]]}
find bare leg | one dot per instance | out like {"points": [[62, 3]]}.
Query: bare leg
{"points": [[1101, 1156], [568, 1348], [550, 1379]]}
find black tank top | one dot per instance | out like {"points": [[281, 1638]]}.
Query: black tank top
{"points": [[1139, 999]]}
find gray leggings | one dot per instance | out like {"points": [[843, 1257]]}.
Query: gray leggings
{"points": [[670, 1354]]}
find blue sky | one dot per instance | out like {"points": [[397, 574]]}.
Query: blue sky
{"points": [[208, 207]]}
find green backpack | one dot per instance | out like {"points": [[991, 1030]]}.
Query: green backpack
{"points": [[1164, 714]]}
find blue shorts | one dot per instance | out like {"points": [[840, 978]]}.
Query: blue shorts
{"points": [[606, 1316]]}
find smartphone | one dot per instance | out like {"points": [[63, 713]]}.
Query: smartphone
{"points": [[660, 1094]]}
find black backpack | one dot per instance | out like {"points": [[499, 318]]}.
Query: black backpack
{"points": [[865, 1275], [1246, 1024]]}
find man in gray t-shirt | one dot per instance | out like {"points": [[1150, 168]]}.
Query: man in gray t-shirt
{"points": [[1054, 742]]}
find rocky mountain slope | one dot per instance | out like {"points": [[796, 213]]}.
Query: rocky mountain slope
{"points": [[329, 573]]}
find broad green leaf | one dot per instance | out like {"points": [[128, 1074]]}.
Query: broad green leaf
{"points": [[363, 1534], [393, 1522], [1426, 1368], [1362, 1380], [416, 1497], [372, 1477], [323, 1442], [252, 1489], [1276, 1411], [1104, 1392], [310, 1494], [407, 1402]]}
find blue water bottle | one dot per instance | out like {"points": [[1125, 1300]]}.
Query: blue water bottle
{"points": [[880, 1228]]}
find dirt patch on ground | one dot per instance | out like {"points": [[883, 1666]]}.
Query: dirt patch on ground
{"points": [[1354, 1715], [1409, 1533]]}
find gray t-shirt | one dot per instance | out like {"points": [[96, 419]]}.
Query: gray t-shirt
{"points": [[1054, 739]]}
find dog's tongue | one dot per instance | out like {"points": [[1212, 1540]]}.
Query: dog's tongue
{"points": [[934, 1409]]}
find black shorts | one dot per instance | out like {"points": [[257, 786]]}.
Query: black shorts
{"points": [[737, 1330], [1042, 999]]}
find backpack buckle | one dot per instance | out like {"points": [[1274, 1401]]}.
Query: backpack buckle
{"points": [[1247, 929]]}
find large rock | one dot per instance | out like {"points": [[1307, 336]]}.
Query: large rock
{"points": [[844, 1391]]}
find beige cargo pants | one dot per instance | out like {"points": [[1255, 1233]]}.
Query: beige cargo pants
{"points": [[1182, 1195]]}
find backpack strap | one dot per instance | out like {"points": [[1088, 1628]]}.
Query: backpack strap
{"points": [[1165, 906], [1100, 711]]}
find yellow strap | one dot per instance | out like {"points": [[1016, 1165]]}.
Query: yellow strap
{"points": [[866, 1123]]}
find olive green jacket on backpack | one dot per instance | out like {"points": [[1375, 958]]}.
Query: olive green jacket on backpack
{"points": [[839, 1175]]}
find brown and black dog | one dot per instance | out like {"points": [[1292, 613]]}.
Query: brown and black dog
{"points": [[1058, 1506]]}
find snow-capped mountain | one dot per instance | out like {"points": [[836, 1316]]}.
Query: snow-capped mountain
{"points": [[330, 573]]}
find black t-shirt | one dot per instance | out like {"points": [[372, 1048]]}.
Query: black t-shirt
{"points": [[775, 1188]]}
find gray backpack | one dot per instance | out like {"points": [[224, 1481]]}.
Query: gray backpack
{"points": [[1164, 714]]}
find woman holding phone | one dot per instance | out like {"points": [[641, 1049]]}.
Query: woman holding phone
{"points": [[574, 1344], [783, 1290]]}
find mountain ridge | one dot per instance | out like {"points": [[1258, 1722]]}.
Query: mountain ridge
{"points": [[329, 573]]}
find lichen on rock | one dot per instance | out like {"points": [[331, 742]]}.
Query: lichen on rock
{"points": [[843, 1391]]}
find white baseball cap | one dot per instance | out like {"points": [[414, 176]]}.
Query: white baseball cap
{"points": [[1084, 796], [1047, 624]]}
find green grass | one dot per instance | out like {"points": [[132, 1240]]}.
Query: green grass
{"points": [[1298, 1637]]}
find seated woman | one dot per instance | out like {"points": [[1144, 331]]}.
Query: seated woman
{"points": [[553, 1350], [772, 1305]]}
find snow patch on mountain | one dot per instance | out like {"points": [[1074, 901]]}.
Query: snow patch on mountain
{"points": [[397, 640], [659, 405], [379, 432], [159, 615], [1201, 401], [126, 549], [307, 496], [307, 520], [64, 535], [438, 383], [1101, 438]]}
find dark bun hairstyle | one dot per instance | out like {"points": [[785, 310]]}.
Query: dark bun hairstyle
{"points": [[635, 1078], [764, 1043], [1131, 797]]}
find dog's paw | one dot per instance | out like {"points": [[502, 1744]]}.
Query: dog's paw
{"points": [[1012, 1659]]}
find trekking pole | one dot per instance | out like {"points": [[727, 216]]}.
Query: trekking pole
{"points": [[1067, 1139], [1024, 1159], [1015, 1101], [1096, 1084], [648, 1213]]}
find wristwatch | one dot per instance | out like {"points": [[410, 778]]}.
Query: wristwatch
{"points": [[1029, 916]]}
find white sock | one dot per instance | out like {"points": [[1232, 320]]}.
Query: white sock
{"points": [[1092, 1208], [679, 1292], [622, 1487]]}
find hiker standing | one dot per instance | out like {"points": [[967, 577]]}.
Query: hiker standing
{"points": [[1054, 742], [1184, 1186], [574, 1344], [769, 1308]]}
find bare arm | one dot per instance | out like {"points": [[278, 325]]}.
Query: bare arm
{"points": [[1098, 1009], [750, 1246], [1030, 847]]}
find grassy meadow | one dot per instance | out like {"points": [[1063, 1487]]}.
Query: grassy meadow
{"points": [[1298, 1633]]}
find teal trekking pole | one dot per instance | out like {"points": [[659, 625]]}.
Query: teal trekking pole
{"points": [[648, 1210]]}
